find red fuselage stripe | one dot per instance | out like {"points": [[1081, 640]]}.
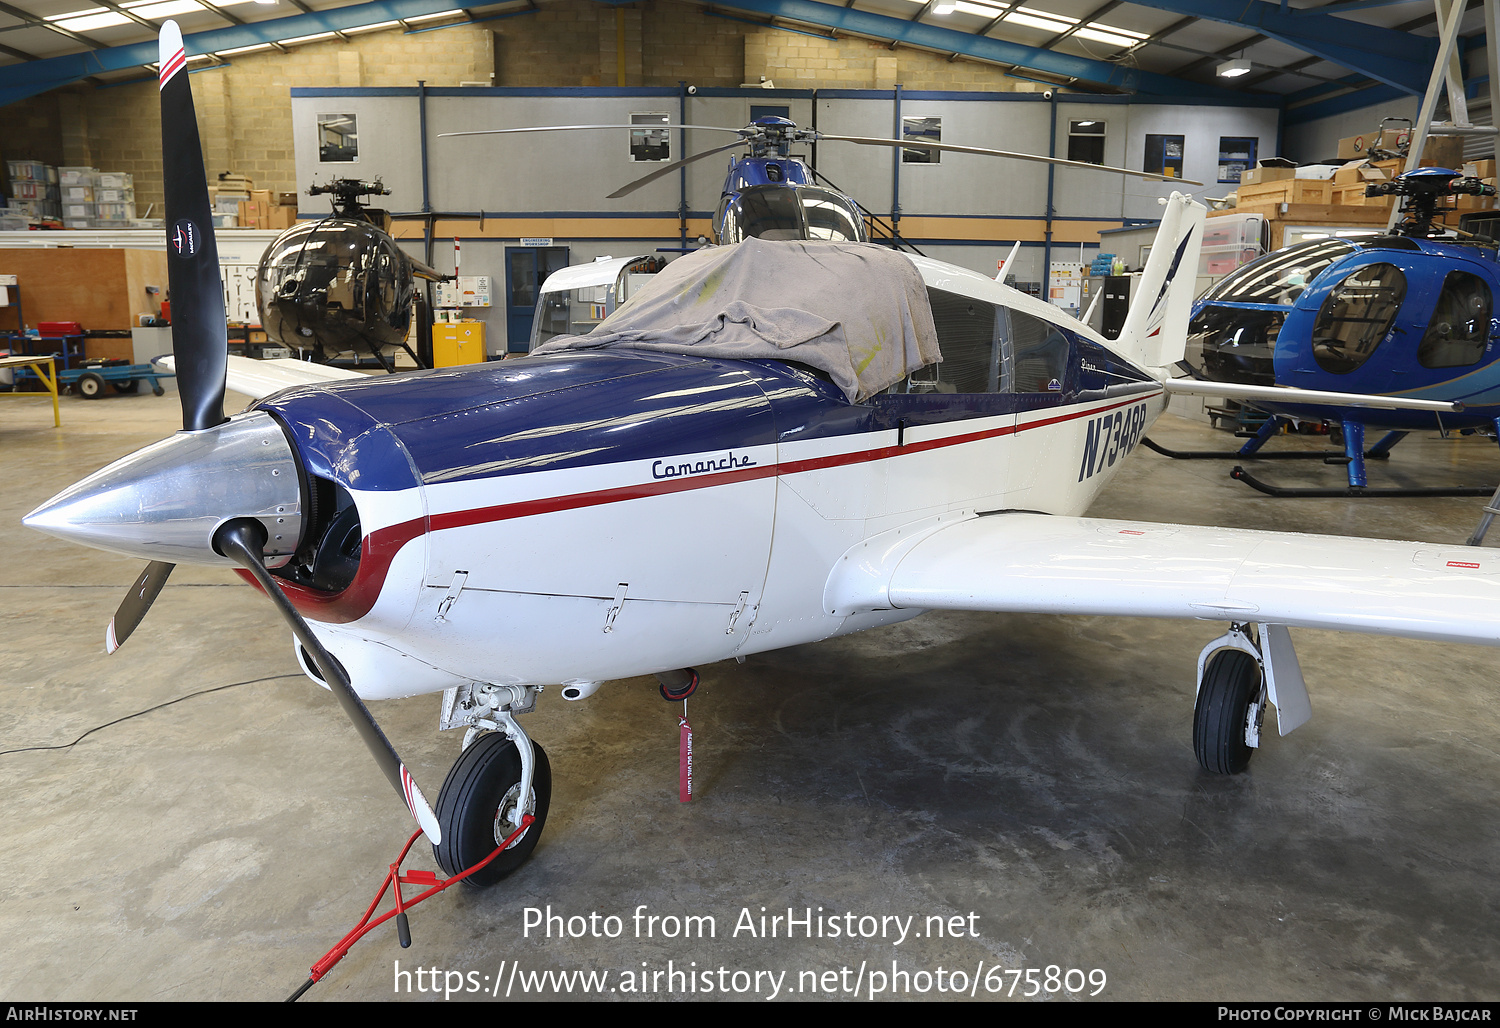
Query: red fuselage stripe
{"points": [[380, 546]]}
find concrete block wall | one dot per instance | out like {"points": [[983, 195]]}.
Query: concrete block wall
{"points": [[244, 107]]}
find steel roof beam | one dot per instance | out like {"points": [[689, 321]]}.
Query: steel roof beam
{"points": [[1386, 55], [19, 81], [933, 37]]}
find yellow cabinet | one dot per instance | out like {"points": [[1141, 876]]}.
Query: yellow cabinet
{"points": [[460, 343]]}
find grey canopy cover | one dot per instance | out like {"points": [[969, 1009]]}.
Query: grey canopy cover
{"points": [[855, 310]]}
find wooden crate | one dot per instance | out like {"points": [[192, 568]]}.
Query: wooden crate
{"points": [[1293, 190]]}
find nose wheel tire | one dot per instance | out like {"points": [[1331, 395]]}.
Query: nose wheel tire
{"points": [[1229, 696], [475, 805]]}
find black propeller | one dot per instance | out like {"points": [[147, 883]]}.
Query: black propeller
{"points": [[200, 338], [201, 347]]}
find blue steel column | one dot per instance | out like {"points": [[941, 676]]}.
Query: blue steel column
{"points": [[896, 133], [682, 204], [1051, 174]]}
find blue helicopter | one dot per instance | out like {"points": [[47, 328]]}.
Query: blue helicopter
{"points": [[1402, 315]]}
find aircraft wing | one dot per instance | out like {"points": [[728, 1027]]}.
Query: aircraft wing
{"points": [[1062, 565], [256, 379]]}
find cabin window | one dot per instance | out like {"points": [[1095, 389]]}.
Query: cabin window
{"points": [[1460, 326], [1280, 277], [975, 339], [1041, 354], [1356, 316]]}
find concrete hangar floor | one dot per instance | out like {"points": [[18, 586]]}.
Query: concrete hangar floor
{"points": [[1018, 792]]}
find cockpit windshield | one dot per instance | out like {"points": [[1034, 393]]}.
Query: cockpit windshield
{"points": [[788, 212], [1279, 278]]}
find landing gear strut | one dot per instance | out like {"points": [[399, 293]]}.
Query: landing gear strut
{"points": [[1227, 717], [500, 777], [479, 801]]}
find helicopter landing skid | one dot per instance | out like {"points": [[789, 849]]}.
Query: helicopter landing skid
{"points": [[1355, 490], [1327, 456]]}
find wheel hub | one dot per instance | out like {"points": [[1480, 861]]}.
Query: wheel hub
{"points": [[504, 824]]}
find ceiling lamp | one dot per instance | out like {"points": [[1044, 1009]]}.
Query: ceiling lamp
{"points": [[1234, 69]]}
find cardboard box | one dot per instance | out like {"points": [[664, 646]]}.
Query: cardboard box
{"points": [[1479, 169], [281, 218], [1360, 172], [286, 199], [1443, 152], [1262, 174]]}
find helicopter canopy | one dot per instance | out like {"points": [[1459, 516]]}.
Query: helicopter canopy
{"points": [[854, 310]]}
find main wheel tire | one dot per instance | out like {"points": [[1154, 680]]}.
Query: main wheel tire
{"points": [[129, 386], [480, 789], [90, 386], [1231, 683]]}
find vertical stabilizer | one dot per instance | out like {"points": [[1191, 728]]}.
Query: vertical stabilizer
{"points": [[1155, 330]]}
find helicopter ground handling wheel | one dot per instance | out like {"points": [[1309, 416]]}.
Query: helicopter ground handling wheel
{"points": [[475, 806], [1231, 696]]}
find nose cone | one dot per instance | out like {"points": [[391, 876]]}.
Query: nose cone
{"points": [[165, 502]]}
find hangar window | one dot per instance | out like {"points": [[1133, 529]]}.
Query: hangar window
{"points": [[921, 130], [649, 142], [1356, 316], [1086, 141], [338, 138], [1460, 325]]}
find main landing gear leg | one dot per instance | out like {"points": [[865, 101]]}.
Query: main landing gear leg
{"points": [[1490, 509], [499, 778], [1239, 675]]}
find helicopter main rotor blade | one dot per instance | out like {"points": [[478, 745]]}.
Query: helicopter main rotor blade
{"points": [[242, 541], [907, 144], [667, 169], [200, 338], [573, 128]]}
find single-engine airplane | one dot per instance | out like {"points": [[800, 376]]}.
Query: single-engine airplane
{"points": [[776, 442], [1404, 315]]}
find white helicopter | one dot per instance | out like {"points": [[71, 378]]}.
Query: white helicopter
{"points": [[777, 442]]}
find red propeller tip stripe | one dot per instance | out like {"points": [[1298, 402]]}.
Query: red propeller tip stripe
{"points": [[173, 66]]}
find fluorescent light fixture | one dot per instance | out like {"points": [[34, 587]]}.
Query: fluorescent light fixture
{"points": [[92, 21], [1102, 36], [307, 39], [1051, 23], [372, 27], [435, 17], [245, 49], [983, 10], [945, 7], [168, 9], [1234, 69]]}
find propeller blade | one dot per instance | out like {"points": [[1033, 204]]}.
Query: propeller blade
{"points": [[983, 152], [574, 128], [667, 169], [200, 340], [242, 541], [133, 608]]}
